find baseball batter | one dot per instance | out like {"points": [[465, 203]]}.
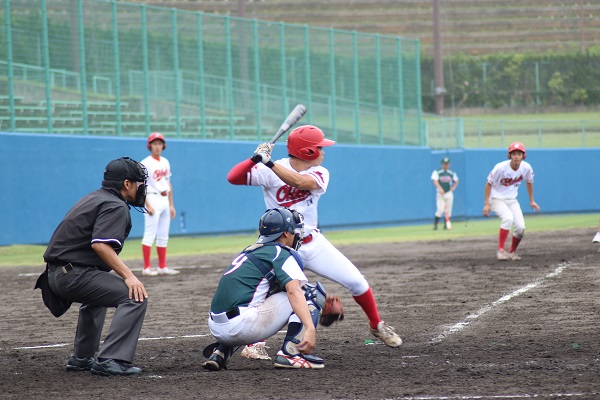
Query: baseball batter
{"points": [[445, 182], [159, 204], [263, 290], [500, 196], [298, 182]]}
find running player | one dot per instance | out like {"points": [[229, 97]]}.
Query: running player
{"points": [[500, 196], [298, 182]]}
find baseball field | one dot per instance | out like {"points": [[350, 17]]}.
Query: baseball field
{"points": [[473, 327]]}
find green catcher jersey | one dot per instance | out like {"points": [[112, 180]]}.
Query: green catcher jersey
{"points": [[244, 284], [446, 178]]}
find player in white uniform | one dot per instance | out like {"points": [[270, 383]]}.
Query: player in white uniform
{"points": [[298, 182], [159, 203], [500, 196]]}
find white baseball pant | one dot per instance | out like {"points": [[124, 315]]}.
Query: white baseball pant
{"points": [[322, 258], [444, 202], [156, 226], [254, 323], [509, 211]]}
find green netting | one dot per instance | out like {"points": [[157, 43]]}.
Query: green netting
{"points": [[100, 67]]}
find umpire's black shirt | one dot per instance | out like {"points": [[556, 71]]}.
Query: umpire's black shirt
{"points": [[100, 217]]}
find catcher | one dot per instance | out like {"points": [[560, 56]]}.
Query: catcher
{"points": [[264, 289]]}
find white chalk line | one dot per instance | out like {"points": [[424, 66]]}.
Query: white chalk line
{"points": [[458, 327], [136, 269], [499, 396]]}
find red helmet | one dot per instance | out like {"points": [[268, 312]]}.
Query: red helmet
{"points": [[304, 140], [517, 146], [156, 136]]}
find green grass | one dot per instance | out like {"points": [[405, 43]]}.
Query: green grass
{"points": [[18, 255]]}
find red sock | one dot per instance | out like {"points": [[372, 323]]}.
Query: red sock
{"points": [[502, 236], [146, 250], [367, 302], [162, 256], [514, 244]]}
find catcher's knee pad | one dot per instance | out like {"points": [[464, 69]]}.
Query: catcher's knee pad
{"points": [[292, 339], [316, 294]]}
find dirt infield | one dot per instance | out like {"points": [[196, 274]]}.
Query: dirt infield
{"points": [[474, 328]]}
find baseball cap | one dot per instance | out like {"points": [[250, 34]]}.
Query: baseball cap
{"points": [[125, 168], [445, 160]]}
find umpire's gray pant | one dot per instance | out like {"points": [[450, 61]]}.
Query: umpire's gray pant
{"points": [[96, 290]]}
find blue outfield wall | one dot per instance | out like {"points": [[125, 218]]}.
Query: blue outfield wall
{"points": [[369, 186]]}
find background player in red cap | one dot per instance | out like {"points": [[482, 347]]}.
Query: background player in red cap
{"points": [[160, 206], [500, 196], [298, 182]]}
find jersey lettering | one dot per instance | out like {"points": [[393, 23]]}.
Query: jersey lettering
{"points": [[235, 264], [159, 174], [510, 181], [288, 195]]}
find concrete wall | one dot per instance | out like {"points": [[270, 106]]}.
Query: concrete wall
{"points": [[46, 174]]}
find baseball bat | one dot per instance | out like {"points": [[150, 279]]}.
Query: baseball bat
{"points": [[293, 117]]}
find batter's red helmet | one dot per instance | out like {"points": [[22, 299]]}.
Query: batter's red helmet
{"points": [[517, 146], [304, 140], [156, 136]]}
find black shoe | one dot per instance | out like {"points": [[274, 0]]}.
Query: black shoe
{"points": [[218, 359], [80, 363], [114, 367]]}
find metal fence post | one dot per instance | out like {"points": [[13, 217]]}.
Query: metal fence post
{"points": [[201, 75], [332, 83], [176, 71], [422, 135], [356, 88], [46, 55], [308, 77], [145, 66], [257, 79], [285, 109], [83, 80], [400, 89], [116, 66], [229, 67], [379, 95], [9, 59]]}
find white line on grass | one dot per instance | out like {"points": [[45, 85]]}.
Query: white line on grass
{"points": [[459, 326]]}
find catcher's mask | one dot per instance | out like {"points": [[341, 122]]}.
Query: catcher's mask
{"points": [[276, 221], [126, 168], [303, 142]]}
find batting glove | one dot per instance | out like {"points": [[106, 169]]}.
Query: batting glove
{"points": [[264, 148], [263, 158]]}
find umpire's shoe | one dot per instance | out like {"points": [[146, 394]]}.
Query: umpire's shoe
{"points": [[80, 363], [110, 367]]}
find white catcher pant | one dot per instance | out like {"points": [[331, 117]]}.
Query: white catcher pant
{"points": [[322, 258], [157, 225], [254, 323], [509, 211], [444, 202]]}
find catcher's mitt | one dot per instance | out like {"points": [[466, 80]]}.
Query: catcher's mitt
{"points": [[332, 311]]}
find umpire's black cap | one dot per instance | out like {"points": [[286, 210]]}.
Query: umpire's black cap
{"points": [[125, 168]]}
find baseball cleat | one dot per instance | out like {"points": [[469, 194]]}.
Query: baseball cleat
{"points": [[502, 255], [256, 351], [387, 334], [167, 271], [306, 361], [215, 362], [149, 271], [112, 367], [596, 238], [514, 256], [80, 363]]}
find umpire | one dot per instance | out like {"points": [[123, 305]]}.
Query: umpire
{"points": [[82, 251]]}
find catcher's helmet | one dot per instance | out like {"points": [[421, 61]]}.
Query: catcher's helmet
{"points": [[156, 136], [517, 146], [304, 140], [275, 221]]}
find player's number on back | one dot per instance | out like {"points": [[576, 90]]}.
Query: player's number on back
{"points": [[235, 264]]}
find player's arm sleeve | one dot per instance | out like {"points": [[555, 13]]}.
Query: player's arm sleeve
{"points": [[290, 270], [111, 226], [435, 176], [238, 175], [529, 176], [321, 176]]}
